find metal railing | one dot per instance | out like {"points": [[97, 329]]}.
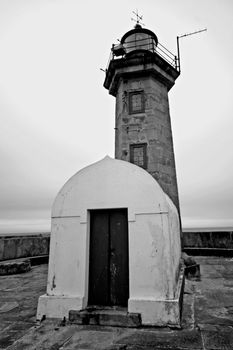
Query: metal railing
{"points": [[168, 56], [149, 45]]}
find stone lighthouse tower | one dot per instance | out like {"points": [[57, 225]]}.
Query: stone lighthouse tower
{"points": [[140, 74]]}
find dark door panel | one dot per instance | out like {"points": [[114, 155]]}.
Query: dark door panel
{"points": [[119, 292], [99, 259], [108, 270]]}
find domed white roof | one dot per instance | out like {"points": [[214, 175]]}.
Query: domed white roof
{"points": [[110, 183]]}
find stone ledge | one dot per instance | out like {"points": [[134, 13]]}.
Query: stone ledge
{"points": [[13, 267], [38, 260]]}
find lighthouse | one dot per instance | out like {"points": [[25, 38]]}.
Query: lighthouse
{"points": [[140, 74], [115, 250]]}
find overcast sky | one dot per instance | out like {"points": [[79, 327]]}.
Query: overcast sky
{"points": [[56, 116]]}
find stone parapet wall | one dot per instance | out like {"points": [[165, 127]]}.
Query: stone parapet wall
{"points": [[22, 246], [209, 239]]}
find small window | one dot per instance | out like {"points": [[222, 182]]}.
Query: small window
{"points": [[136, 102], [138, 155]]}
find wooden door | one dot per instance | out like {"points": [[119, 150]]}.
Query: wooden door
{"points": [[108, 268]]}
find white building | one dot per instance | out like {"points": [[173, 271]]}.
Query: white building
{"points": [[115, 242]]}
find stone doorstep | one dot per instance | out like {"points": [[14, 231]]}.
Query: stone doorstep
{"points": [[105, 317]]}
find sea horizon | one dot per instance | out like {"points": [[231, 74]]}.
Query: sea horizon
{"points": [[43, 226]]}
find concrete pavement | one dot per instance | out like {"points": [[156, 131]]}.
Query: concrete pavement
{"points": [[207, 317]]}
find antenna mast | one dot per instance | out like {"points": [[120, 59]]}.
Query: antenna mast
{"points": [[182, 36]]}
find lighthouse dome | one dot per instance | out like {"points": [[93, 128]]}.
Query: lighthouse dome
{"points": [[139, 39]]}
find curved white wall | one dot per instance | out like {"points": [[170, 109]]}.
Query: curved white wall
{"points": [[109, 183], [154, 235]]}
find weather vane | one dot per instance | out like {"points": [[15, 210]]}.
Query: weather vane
{"points": [[138, 18]]}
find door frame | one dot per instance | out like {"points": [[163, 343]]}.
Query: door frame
{"points": [[88, 256]]}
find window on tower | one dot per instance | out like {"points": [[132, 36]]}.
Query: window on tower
{"points": [[136, 102], [138, 154]]}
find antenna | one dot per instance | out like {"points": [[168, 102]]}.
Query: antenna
{"points": [[182, 36], [198, 31], [138, 18]]}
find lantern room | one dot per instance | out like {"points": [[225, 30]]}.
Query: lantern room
{"points": [[136, 40]]}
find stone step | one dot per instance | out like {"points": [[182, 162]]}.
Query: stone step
{"points": [[105, 317]]}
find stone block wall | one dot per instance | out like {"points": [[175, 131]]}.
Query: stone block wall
{"points": [[23, 246], [215, 239], [14, 247]]}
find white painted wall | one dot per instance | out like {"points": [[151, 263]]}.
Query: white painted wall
{"points": [[154, 236]]}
